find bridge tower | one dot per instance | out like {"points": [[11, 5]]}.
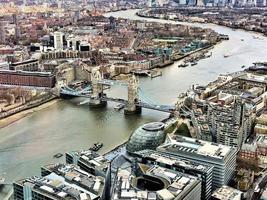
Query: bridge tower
{"points": [[131, 107], [96, 99]]}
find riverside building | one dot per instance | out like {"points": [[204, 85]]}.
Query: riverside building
{"points": [[71, 184], [94, 184], [90, 162], [221, 157], [148, 136]]}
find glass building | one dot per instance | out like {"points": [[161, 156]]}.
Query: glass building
{"points": [[148, 136]]}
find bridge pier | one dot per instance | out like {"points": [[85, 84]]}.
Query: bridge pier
{"points": [[97, 103], [132, 106], [96, 100], [130, 110]]}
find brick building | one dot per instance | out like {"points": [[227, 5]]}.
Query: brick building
{"points": [[23, 78]]}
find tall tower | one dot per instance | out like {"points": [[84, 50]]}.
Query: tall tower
{"points": [[58, 40], [96, 99], [59, 4], [200, 3], [2, 33], [131, 107], [24, 3]]}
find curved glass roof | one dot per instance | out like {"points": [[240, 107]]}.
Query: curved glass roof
{"points": [[148, 136]]}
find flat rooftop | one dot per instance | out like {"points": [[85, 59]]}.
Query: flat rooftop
{"points": [[164, 158], [94, 184], [227, 193], [195, 146], [56, 187], [176, 184], [91, 159]]}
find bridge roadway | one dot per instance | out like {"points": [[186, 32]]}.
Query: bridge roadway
{"points": [[149, 105], [145, 102], [162, 108]]}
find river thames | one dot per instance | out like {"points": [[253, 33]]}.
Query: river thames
{"points": [[32, 141]]}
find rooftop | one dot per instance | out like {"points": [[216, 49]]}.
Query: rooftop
{"points": [[94, 184], [195, 146], [162, 157], [169, 184], [91, 159], [261, 139], [227, 193], [58, 187]]}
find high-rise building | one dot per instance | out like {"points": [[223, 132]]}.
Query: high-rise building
{"points": [[200, 2], [59, 4], [230, 123], [17, 32], [24, 3], [221, 157], [2, 32], [58, 40]]}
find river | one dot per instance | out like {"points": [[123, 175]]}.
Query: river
{"points": [[32, 141]]}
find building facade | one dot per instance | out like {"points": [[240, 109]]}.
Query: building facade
{"points": [[23, 78], [221, 157]]}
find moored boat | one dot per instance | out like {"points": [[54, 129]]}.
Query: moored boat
{"points": [[119, 106], [96, 146]]}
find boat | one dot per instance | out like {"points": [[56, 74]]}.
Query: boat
{"points": [[226, 55], [183, 65], [2, 180], [119, 107], [58, 155], [96, 146], [155, 73], [209, 55], [243, 66], [242, 39], [193, 63]]}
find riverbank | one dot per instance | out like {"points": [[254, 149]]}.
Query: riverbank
{"points": [[143, 13], [16, 117]]}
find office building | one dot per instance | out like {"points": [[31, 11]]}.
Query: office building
{"points": [[221, 157], [94, 184], [68, 183], [155, 183], [90, 162], [203, 171]]}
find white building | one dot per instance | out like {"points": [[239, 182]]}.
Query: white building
{"points": [[221, 157], [58, 40], [226, 193]]}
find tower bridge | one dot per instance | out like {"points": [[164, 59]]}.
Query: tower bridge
{"points": [[97, 98]]}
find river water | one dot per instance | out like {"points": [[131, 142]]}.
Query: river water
{"points": [[32, 141]]}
